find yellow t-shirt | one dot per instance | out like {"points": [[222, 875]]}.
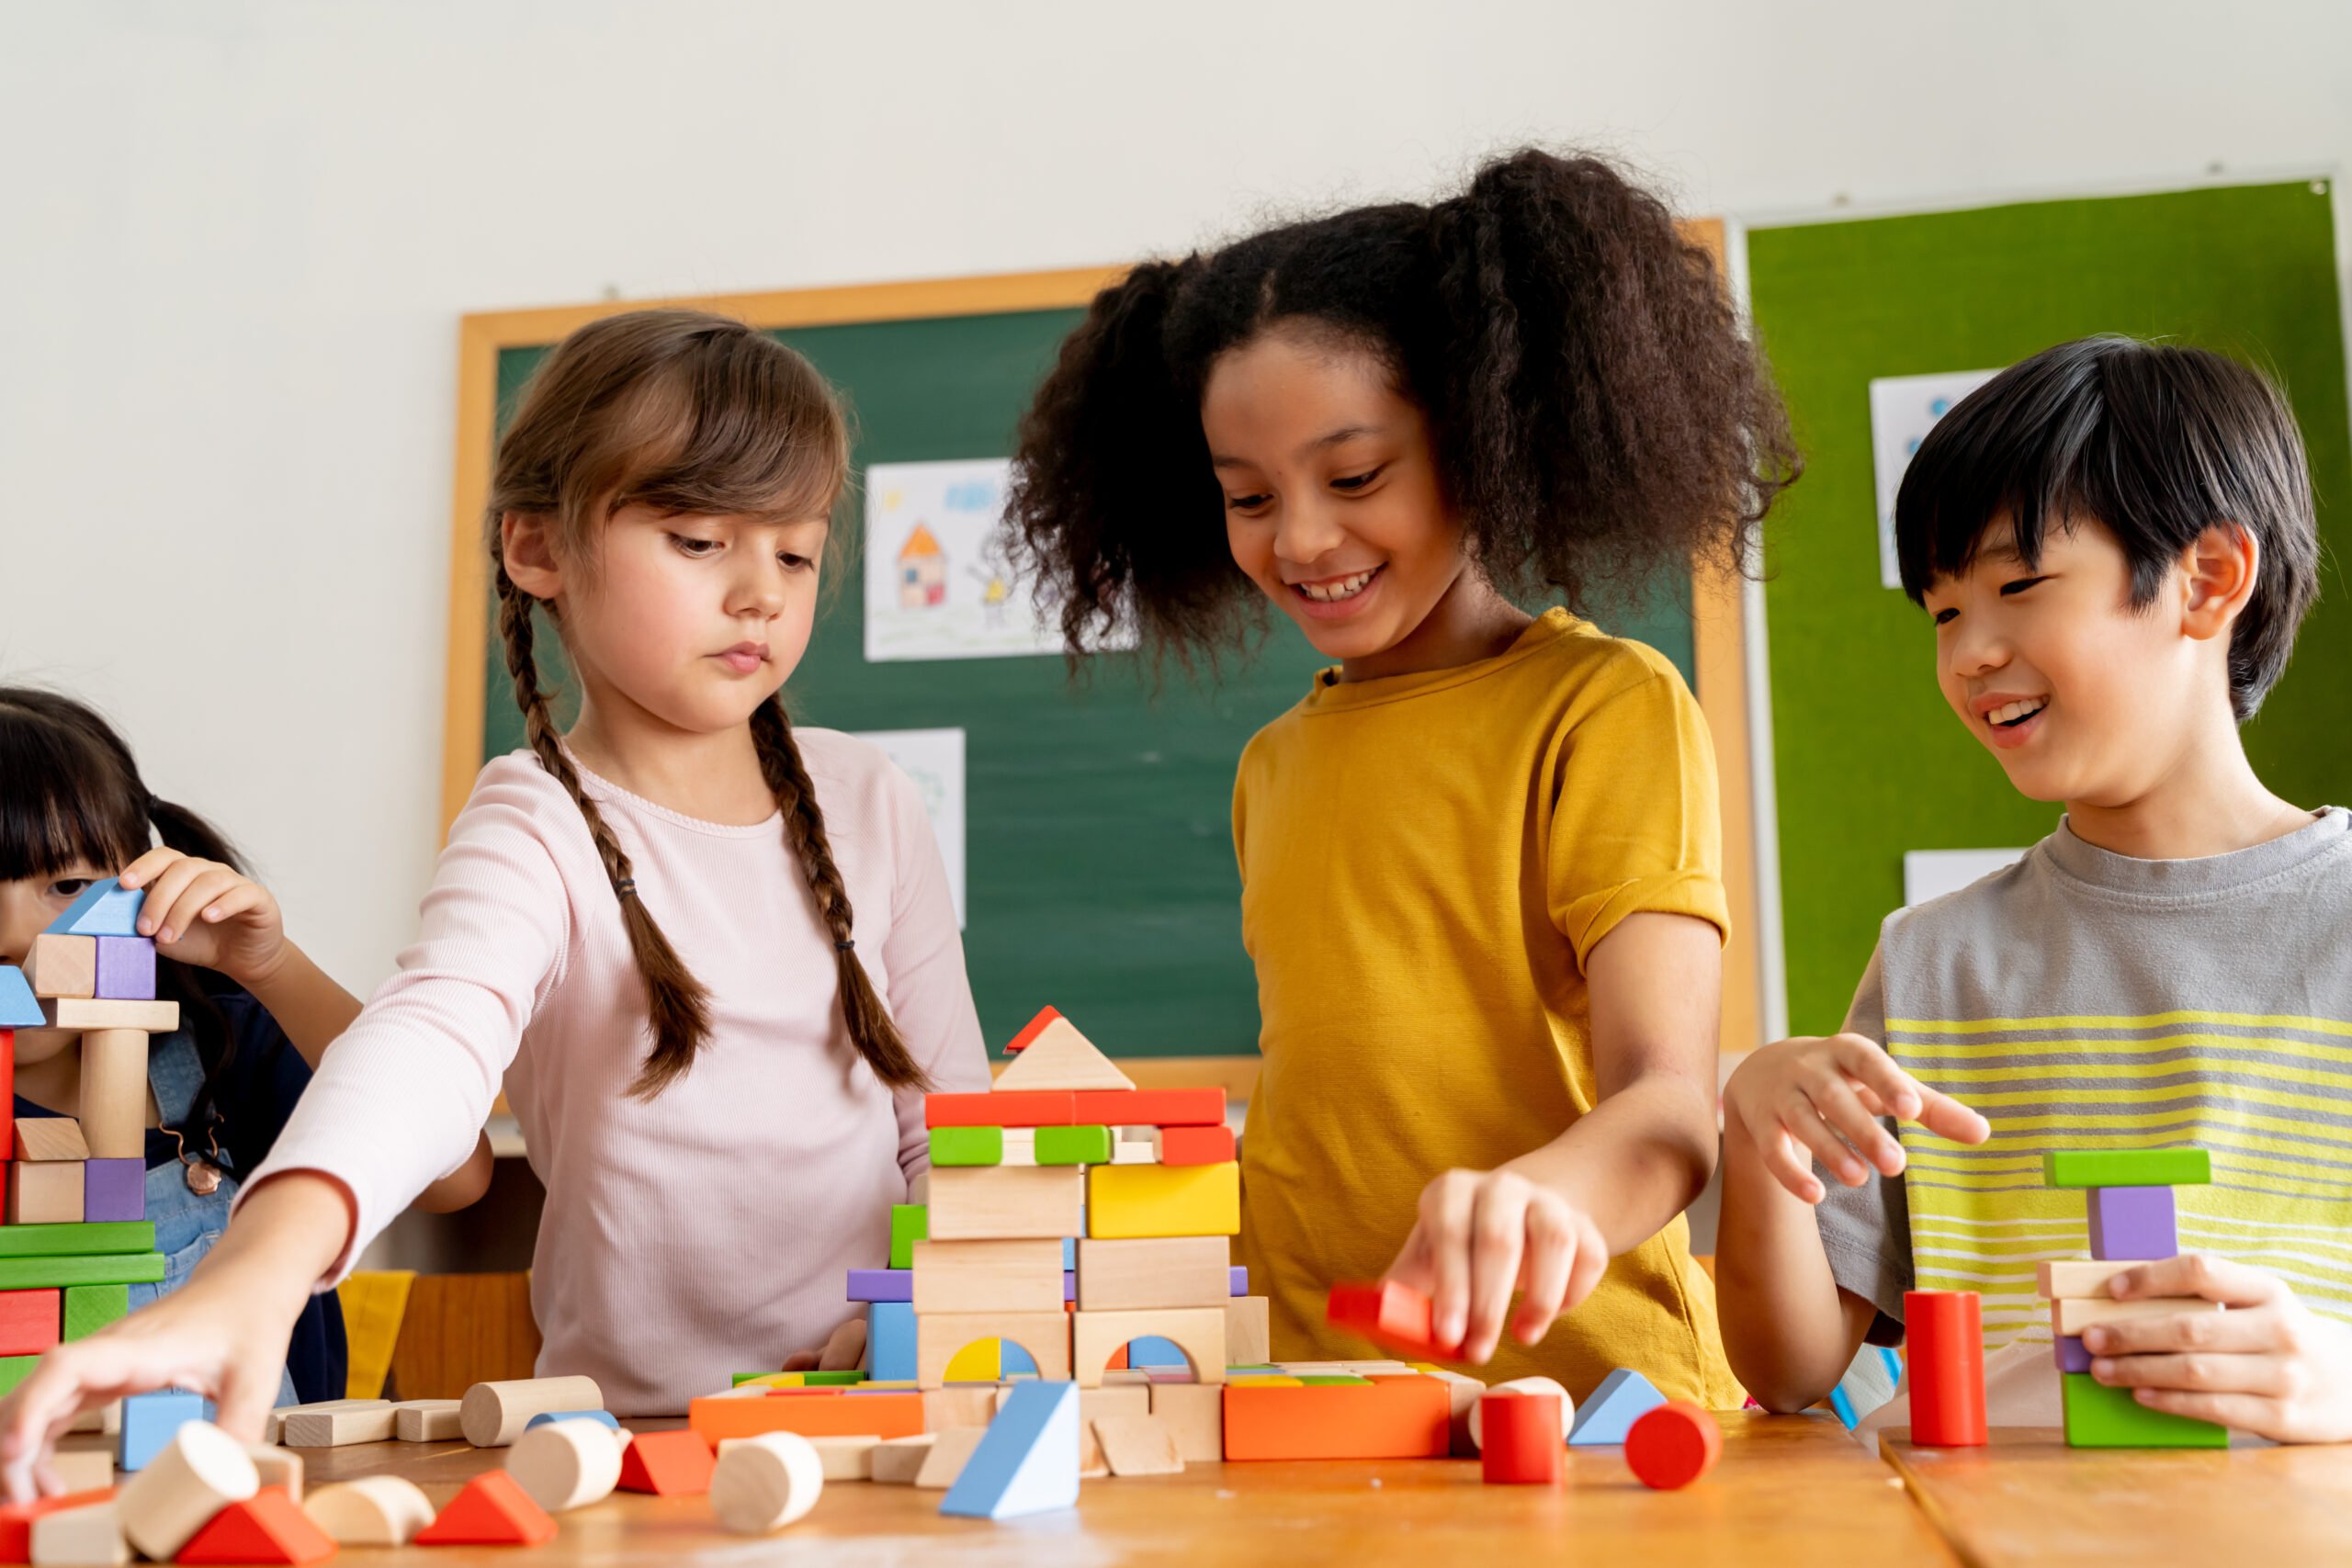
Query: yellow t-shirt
{"points": [[1426, 863]]}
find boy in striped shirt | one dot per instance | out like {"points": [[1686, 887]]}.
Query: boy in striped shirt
{"points": [[2115, 541]]}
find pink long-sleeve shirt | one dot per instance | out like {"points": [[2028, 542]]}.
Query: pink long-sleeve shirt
{"points": [[708, 1231]]}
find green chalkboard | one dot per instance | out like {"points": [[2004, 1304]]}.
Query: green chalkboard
{"points": [[1868, 761], [1100, 867]]}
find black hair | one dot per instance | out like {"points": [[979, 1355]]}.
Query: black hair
{"points": [[2155, 442], [71, 793], [1596, 410]]}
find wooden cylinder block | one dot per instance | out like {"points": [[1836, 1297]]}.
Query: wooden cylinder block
{"points": [[494, 1414]]}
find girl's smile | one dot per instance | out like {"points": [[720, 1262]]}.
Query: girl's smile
{"points": [[1336, 598]]}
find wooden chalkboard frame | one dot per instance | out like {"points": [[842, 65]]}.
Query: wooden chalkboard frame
{"points": [[1718, 611]]}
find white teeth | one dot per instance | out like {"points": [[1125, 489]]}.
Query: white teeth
{"points": [[1329, 593], [2010, 711]]}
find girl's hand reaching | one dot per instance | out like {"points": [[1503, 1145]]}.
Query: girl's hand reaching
{"points": [[1482, 1234], [209, 915], [1804, 1099], [843, 1351]]}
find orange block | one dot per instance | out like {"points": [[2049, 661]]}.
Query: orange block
{"points": [[1147, 1108], [670, 1464], [717, 1418], [1035, 1026], [1013, 1108], [493, 1510], [1399, 1418], [1387, 1314], [16, 1520], [1195, 1145], [265, 1527]]}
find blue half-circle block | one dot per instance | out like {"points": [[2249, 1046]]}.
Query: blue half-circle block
{"points": [[602, 1418]]}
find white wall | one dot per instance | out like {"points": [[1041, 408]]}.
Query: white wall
{"points": [[235, 240]]}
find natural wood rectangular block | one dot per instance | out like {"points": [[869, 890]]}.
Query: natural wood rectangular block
{"points": [[990, 1203], [988, 1276], [63, 966], [1154, 1271]]}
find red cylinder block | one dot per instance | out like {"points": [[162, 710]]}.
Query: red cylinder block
{"points": [[1945, 1332], [1522, 1440], [1673, 1445]]}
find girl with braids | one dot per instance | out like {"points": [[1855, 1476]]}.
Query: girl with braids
{"points": [[74, 811], [1480, 859], [712, 956]]}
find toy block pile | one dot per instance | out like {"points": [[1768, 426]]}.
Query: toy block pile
{"points": [[2129, 1195]]}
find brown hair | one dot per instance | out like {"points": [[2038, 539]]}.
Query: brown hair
{"points": [[686, 413]]}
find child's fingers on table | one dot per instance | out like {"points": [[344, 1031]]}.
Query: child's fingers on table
{"points": [[2201, 1372], [2229, 1333], [2240, 1412], [1498, 1245], [2202, 1275]]}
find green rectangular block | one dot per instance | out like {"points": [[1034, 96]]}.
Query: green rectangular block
{"points": [[743, 1378], [89, 1308], [1333, 1380], [1073, 1146], [967, 1145], [15, 1370], [77, 1241], [834, 1379], [105, 1269], [2098, 1417], [910, 1222], [2127, 1168]]}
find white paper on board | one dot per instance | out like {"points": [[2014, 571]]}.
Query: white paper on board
{"points": [[933, 759], [1931, 873], [1902, 410]]}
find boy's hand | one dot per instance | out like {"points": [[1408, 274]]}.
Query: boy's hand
{"points": [[2267, 1365], [843, 1351], [1484, 1233], [1824, 1095], [209, 915]]}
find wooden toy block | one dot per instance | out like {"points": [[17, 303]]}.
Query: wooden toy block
{"points": [[89, 1308], [910, 1222], [200, 1471], [1052, 1109], [980, 1361], [265, 1527], [16, 1520], [1150, 1106], [1387, 1312], [881, 1285], [61, 966], [1073, 1146], [1548, 1388], [603, 1418], [150, 1421], [2078, 1276], [274, 1466], [1046, 1336], [1521, 1444], [1127, 1152], [374, 1423], [107, 1269], [943, 1408], [2127, 1168], [1945, 1331], [494, 1414], [106, 1420], [1390, 1418], [668, 1464], [15, 1370], [2072, 1317], [492, 1510], [86, 1534], [890, 1339], [1050, 1054], [1675, 1444], [274, 1424], [1005, 1203], [1160, 1201], [1249, 1329], [114, 1189], [29, 1321], [1193, 1414], [1199, 1332], [75, 1241], [19, 1009], [718, 1417], [1191, 1146], [1137, 1445], [376, 1510], [49, 1139], [846, 1458], [967, 1147], [949, 1451], [113, 1094], [1154, 1271], [2098, 1417], [105, 908], [896, 1461], [1156, 1353], [566, 1464], [988, 1276], [766, 1482], [48, 1193], [84, 1470], [82, 1015], [1026, 1461], [1264, 1380], [2131, 1223], [428, 1420], [1621, 1398], [126, 969], [2070, 1353]]}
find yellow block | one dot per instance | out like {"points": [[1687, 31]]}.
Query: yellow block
{"points": [[1265, 1381], [1163, 1200], [777, 1380], [980, 1361]]}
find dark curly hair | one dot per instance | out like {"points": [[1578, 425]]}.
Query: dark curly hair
{"points": [[1598, 413]]}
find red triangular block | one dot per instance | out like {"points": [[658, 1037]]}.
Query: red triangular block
{"points": [[265, 1527], [673, 1464], [492, 1511]]}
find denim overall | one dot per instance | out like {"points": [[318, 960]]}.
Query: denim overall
{"points": [[186, 1222]]}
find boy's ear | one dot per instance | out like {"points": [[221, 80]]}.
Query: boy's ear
{"points": [[2218, 567], [527, 550]]}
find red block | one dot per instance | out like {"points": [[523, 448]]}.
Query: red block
{"points": [[1014, 1108], [1387, 1314], [31, 1320], [1035, 1026], [1149, 1108], [1945, 1333], [493, 1510], [16, 1520], [1669, 1447], [265, 1527], [1195, 1145], [1392, 1418], [1522, 1438], [671, 1464]]}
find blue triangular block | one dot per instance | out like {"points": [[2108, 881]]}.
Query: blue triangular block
{"points": [[1623, 1397], [18, 1008], [105, 908], [1028, 1461]]}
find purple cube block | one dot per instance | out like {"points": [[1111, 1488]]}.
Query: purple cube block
{"points": [[1239, 1278], [2071, 1357], [126, 969], [114, 1190], [881, 1284], [2131, 1223], [1070, 1284]]}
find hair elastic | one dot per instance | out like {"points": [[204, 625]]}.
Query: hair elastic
{"points": [[625, 887], [849, 946]]}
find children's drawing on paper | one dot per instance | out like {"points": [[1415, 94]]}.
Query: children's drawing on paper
{"points": [[1902, 410]]}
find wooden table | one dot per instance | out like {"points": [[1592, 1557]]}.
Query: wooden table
{"points": [[2027, 1497], [1789, 1490]]}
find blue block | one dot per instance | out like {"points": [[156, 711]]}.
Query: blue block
{"points": [[1870, 1382], [105, 908], [1151, 1350], [1069, 1243], [149, 1420], [602, 1418], [891, 1341], [19, 1009], [1610, 1411], [1241, 1279], [1028, 1461], [1012, 1359]]}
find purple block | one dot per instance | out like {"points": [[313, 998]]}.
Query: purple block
{"points": [[2131, 1223], [126, 969], [2071, 1357], [114, 1190], [881, 1284], [1240, 1277], [1070, 1284]]}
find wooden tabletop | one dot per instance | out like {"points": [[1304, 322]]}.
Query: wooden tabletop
{"points": [[2027, 1497]]}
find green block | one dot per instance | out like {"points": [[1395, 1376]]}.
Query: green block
{"points": [[77, 1241], [967, 1145], [1334, 1379], [89, 1308], [107, 1269], [2127, 1168], [1073, 1146], [910, 1222], [15, 1370], [834, 1379], [2098, 1417], [743, 1378]]}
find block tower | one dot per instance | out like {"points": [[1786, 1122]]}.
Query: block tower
{"points": [[2130, 1196]]}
